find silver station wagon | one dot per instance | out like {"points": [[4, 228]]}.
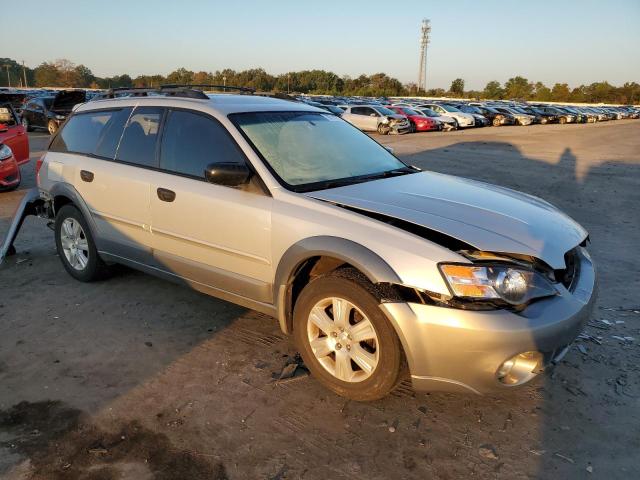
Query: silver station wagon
{"points": [[377, 269]]}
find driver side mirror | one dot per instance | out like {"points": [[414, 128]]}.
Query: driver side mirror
{"points": [[227, 174], [3, 128]]}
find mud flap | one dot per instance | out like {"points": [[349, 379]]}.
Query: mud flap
{"points": [[28, 206]]}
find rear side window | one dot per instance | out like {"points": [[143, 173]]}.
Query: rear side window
{"points": [[112, 133], [191, 141], [139, 139], [82, 132]]}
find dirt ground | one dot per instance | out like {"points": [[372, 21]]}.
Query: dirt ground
{"points": [[136, 378]]}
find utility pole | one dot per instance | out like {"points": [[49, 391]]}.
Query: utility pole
{"points": [[425, 32], [6, 65], [24, 75]]}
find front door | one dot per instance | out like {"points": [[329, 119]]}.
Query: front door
{"points": [[214, 235]]}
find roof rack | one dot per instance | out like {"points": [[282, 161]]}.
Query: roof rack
{"points": [[174, 90]]}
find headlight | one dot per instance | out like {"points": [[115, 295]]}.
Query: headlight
{"points": [[59, 117], [512, 284], [5, 152]]}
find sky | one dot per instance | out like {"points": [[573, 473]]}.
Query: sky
{"points": [[568, 41]]}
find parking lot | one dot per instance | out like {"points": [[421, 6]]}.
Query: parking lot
{"points": [[138, 378]]}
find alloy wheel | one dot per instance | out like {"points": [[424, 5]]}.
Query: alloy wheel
{"points": [[74, 244], [343, 340]]}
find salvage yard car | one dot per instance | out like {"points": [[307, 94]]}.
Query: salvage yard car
{"points": [[49, 112], [14, 148], [375, 118], [373, 265]]}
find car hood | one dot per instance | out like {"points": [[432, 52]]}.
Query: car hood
{"points": [[488, 217], [65, 100]]}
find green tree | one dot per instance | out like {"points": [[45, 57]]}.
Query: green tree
{"points": [[518, 88], [457, 87], [84, 76], [542, 92], [47, 75], [560, 92], [493, 90], [180, 76]]}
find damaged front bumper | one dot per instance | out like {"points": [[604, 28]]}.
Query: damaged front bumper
{"points": [[457, 350], [31, 204]]}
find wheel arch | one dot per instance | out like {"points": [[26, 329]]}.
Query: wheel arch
{"points": [[64, 194], [317, 255]]}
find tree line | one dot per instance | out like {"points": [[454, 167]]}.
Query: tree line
{"points": [[64, 73]]}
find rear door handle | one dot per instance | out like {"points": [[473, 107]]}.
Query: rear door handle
{"points": [[86, 175], [166, 195]]}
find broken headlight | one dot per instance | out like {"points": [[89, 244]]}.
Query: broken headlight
{"points": [[512, 284]]}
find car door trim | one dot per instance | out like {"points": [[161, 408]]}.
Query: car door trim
{"points": [[214, 246]]}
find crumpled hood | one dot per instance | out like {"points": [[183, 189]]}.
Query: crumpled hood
{"points": [[65, 100], [488, 217]]}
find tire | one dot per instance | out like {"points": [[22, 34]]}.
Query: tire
{"points": [[543, 121], [383, 129], [27, 126], [380, 351], [92, 267], [496, 122], [413, 128], [52, 127], [562, 121]]}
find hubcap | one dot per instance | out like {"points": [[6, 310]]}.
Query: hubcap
{"points": [[74, 244], [343, 340]]}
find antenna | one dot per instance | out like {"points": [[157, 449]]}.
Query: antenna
{"points": [[425, 32]]}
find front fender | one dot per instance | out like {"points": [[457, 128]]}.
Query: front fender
{"points": [[360, 257]]}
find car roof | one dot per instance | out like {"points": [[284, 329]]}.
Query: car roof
{"points": [[221, 104]]}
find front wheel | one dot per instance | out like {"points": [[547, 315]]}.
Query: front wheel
{"points": [[384, 129], [345, 339], [496, 122], [76, 247], [26, 125], [52, 127], [563, 120]]}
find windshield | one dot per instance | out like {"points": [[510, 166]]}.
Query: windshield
{"points": [[429, 113], [408, 111], [384, 111], [312, 151], [449, 108]]}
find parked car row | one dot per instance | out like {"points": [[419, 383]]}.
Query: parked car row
{"points": [[381, 114]]}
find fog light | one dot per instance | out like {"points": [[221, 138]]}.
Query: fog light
{"points": [[520, 368]]}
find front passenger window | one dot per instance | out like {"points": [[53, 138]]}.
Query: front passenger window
{"points": [[191, 142]]}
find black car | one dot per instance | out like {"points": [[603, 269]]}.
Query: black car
{"points": [[480, 119], [545, 116], [560, 115], [50, 112], [495, 117], [537, 118]]}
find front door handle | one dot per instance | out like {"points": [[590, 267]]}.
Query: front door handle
{"points": [[86, 175], [166, 195]]}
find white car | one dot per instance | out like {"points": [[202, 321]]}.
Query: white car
{"points": [[375, 118], [521, 118], [463, 119], [449, 123]]}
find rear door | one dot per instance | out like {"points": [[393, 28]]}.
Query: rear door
{"points": [[214, 235], [112, 176]]}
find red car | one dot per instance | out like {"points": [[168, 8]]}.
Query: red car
{"points": [[419, 122], [14, 147]]}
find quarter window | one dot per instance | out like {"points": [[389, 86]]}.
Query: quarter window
{"points": [[82, 132], [191, 142], [138, 143]]}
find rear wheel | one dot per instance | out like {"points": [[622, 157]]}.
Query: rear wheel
{"points": [[496, 122], [345, 339], [52, 127], [76, 247], [543, 121], [563, 120]]}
